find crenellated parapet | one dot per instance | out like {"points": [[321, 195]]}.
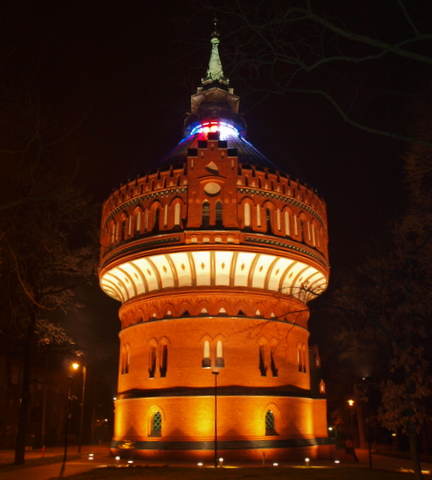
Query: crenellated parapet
{"points": [[242, 198]]}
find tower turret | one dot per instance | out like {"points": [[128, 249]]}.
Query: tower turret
{"points": [[214, 257]]}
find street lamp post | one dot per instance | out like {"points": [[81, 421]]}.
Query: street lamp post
{"points": [[68, 417], [215, 420], [84, 369]]}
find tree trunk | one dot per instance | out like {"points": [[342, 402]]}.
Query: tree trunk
{"points": [[413, 443], [25, 392]]}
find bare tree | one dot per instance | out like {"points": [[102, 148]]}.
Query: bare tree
{"points": [[47, 239], [368, 59]]}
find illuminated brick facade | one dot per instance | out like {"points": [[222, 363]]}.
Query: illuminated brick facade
{"points": [[214, 257]]}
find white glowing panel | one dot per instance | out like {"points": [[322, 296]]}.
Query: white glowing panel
{"points": [[137, 276], [164, 270], [223, 267], [133, 276], [278, 269], [148, 273], [182, 269], [242, 269], [261, 269], [110, 289], [202, 267], [112, 279]]}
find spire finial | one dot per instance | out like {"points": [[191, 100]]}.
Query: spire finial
{"points": [[215, 32], [215, 71]]}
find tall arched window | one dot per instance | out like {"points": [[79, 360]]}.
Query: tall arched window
{"points": [[112, 231], [268, 220], [138, 221], [146, 220], [156, 220], [205, 214], [123, 228], [262, 362], [156, 425], [166, 215], [270, 423], [177, 212], [164, 361], [152, 361], [125, 359], [128, 358], [258, 212], [304, 358], [219, 354], [287, 224], [219, 214], [273, 367], [247, 215], [206, 358]]}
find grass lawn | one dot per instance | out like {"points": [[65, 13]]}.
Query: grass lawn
{"points": [[264, 473]]}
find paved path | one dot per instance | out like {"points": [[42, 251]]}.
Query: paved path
{"points": [[35, 469]]}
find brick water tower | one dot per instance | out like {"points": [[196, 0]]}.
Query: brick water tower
{"points": [[214, 256]]}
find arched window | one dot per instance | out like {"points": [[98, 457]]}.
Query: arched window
{"points": [[138, 221], [268, 220], [299, 358], [205, 214], [164, 361], [152, 361], [112, 231], [302, 228], [287, 224], [303, 358], [262, 362], [166, 215], [219, 354], [156, 425], [278, 219], [156, 220], [258, 212], [125, 360], [206, 363], [273, 365], [123, 228], [177, 212], [219, 214], [247, 215], [146, 220], [322, 388], [270, 423]]}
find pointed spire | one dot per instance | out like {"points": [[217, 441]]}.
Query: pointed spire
{"points": [[215, 70]]}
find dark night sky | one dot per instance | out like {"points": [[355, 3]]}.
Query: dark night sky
{"points": [[124, 71]]}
